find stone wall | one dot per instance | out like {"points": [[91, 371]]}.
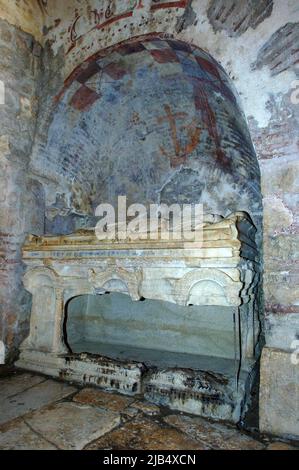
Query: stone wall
{"points": [[21, 196]]}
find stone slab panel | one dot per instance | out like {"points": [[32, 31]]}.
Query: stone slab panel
{"points": [[71, 426], [282, 330], [279, 393], [17, 435], [18, 383], [33, 398], [145, 434]]}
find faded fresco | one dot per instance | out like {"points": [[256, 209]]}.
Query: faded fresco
{"points": [[155, 120]]}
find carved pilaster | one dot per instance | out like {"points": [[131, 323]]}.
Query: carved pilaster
{"points": [[47, 311]]}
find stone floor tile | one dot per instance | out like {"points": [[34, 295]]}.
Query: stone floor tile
{"points": [[17, 383], [17, 435], [146, 434], [39, 395], [110, 401], [214, 435], [71, 425]]}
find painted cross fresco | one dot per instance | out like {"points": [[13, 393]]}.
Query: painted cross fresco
{"points": [[157, 120], [180, 153]]}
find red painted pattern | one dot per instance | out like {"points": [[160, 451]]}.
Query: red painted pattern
{"points": [[213, 69], [115, 71], [99, 26], [163, 56], [91, 69], [179, 4], [208, 117], [121, 16], [131, 48], [103, 53], [282, 309], [113, 19], [84, 98]]}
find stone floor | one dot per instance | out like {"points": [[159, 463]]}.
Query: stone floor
{"points": [[37, 412]]}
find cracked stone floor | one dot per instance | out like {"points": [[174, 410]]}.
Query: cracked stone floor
{"points": [[37, 412]]}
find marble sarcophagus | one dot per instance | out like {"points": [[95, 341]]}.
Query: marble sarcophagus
{"points": [[221, 277]]}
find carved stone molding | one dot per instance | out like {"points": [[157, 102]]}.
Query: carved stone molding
{"points": [[230, 289], [39, 276], [130, 278]]}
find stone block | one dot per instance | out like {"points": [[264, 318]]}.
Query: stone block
{"points": [[280, 176], [142, 433], [280, 446], [146, 408], [4, 144], [17, 435], [282, 330], [71, 426], [279, 393], [277, 217], [281, 288], [30, 399], [285, 247], [18, 383]]}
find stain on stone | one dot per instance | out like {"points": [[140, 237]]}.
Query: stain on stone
{"points": [[236, 17], [188, 18], [281, 51], [209, 398], [280, 137], [172, 191]]}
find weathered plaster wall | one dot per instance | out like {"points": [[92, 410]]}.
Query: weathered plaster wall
{"points": [[21, 196]]}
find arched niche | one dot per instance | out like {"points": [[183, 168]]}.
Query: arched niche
{"points": [[157, 120]]}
